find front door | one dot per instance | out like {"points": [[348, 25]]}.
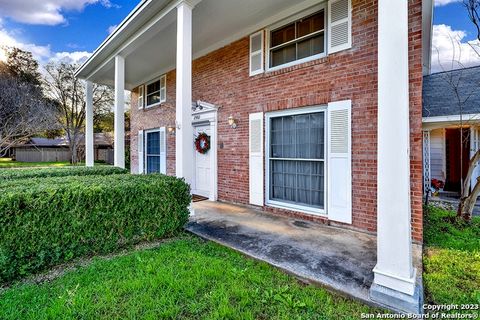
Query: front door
{"points": [[202, 166], [457, 149]]}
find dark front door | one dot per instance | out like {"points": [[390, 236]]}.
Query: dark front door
{"points": [[457, 157]]}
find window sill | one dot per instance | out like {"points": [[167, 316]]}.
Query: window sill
{"points": [[154, 106], [301, 209]]}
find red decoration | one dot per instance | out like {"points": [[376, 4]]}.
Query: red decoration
{"points": [[202, 143]]}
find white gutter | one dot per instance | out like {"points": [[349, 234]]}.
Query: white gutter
{"points": [[452, 118]]}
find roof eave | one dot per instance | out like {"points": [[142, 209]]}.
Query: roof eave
{"points": [[109, 41]]}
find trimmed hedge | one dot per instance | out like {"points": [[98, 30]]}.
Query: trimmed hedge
{"points": [[43, 224], [13, 174]]}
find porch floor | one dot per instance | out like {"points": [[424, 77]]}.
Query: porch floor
{"points": [[337, 258]]}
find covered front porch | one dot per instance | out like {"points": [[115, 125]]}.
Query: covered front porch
{"points": [[339, 259], [160, 36]]}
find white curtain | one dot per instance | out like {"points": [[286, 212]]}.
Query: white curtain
{"points": [[302, 139]]}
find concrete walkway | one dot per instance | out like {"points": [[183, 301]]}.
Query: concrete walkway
{"points": [[340, 259]]}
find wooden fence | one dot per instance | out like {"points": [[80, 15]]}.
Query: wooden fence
{"points": [[42, 154]]}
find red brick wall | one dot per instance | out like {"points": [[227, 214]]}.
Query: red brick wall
{"points": [[222, 78]]}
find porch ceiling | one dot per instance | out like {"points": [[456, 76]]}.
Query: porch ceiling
{"points": [[150, 48]]}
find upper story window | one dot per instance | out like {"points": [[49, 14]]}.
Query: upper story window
{"points": [[298, 40], [310, 34], [156, 92]]}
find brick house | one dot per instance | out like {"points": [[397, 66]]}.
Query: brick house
{"points": [[313, 109]]}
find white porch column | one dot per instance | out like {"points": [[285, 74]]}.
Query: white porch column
{"points": [[89, 157], [184, 134], [395, 277], [119, 126]]}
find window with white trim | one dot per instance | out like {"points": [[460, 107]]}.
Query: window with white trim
{"points": [[141, 97], [296, 159], [297, 40], [155, 151], [156, 92]]}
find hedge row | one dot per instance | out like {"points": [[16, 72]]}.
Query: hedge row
{"points": [[66, 217], [12, 174]]}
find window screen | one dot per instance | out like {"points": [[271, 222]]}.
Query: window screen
{"points": [[297, 159]]}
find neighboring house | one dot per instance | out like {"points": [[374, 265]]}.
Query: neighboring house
{"points": [[443, 115], [57, 150], [313, 109]]}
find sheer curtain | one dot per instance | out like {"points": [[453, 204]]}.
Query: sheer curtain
{"points": [[297, 155]]}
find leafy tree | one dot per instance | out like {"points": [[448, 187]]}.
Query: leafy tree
{"points": [[21, 64], [69, 92]]}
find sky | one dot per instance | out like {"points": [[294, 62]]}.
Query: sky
{"points": [[72, 29]]}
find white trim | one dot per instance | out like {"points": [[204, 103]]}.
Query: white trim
{"points": [[391, 280], [141, 151], [453, 117], [258, 52], [89, 135], [164, 88], [256, 171], [202, 118], [125, 44], [394, 268], [444, 150], [161, 154], [284, 22], [339, 161], [119, 113], [141, 97], [427, 168], [331, 24], [286, 205]]}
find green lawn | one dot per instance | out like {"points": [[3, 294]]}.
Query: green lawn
{"points": [[6, 163], [185, 278], [452, 259]]}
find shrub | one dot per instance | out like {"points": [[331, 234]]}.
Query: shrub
{"points": [[43, 224], [13, 174]]}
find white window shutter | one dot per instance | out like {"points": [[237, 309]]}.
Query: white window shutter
{"points": [[339, 25], [340, 161], [163, 88], [256, 53], [141, 157], [256, 176], [141, 97], [163, 151]]}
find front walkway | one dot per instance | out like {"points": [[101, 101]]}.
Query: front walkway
{"points": [[340, 259]]}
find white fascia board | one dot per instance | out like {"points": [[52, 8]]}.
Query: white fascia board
{"points": [[122, 26], [135, 14], [456, 117]]}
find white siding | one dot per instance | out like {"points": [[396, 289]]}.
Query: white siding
{"points": [[437, 154]]}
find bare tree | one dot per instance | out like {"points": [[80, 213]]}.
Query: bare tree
{"points": [[24, 112], [473, 9], [69, 93]]}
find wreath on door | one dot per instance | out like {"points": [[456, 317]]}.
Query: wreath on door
{"points": [[202, 143]]}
